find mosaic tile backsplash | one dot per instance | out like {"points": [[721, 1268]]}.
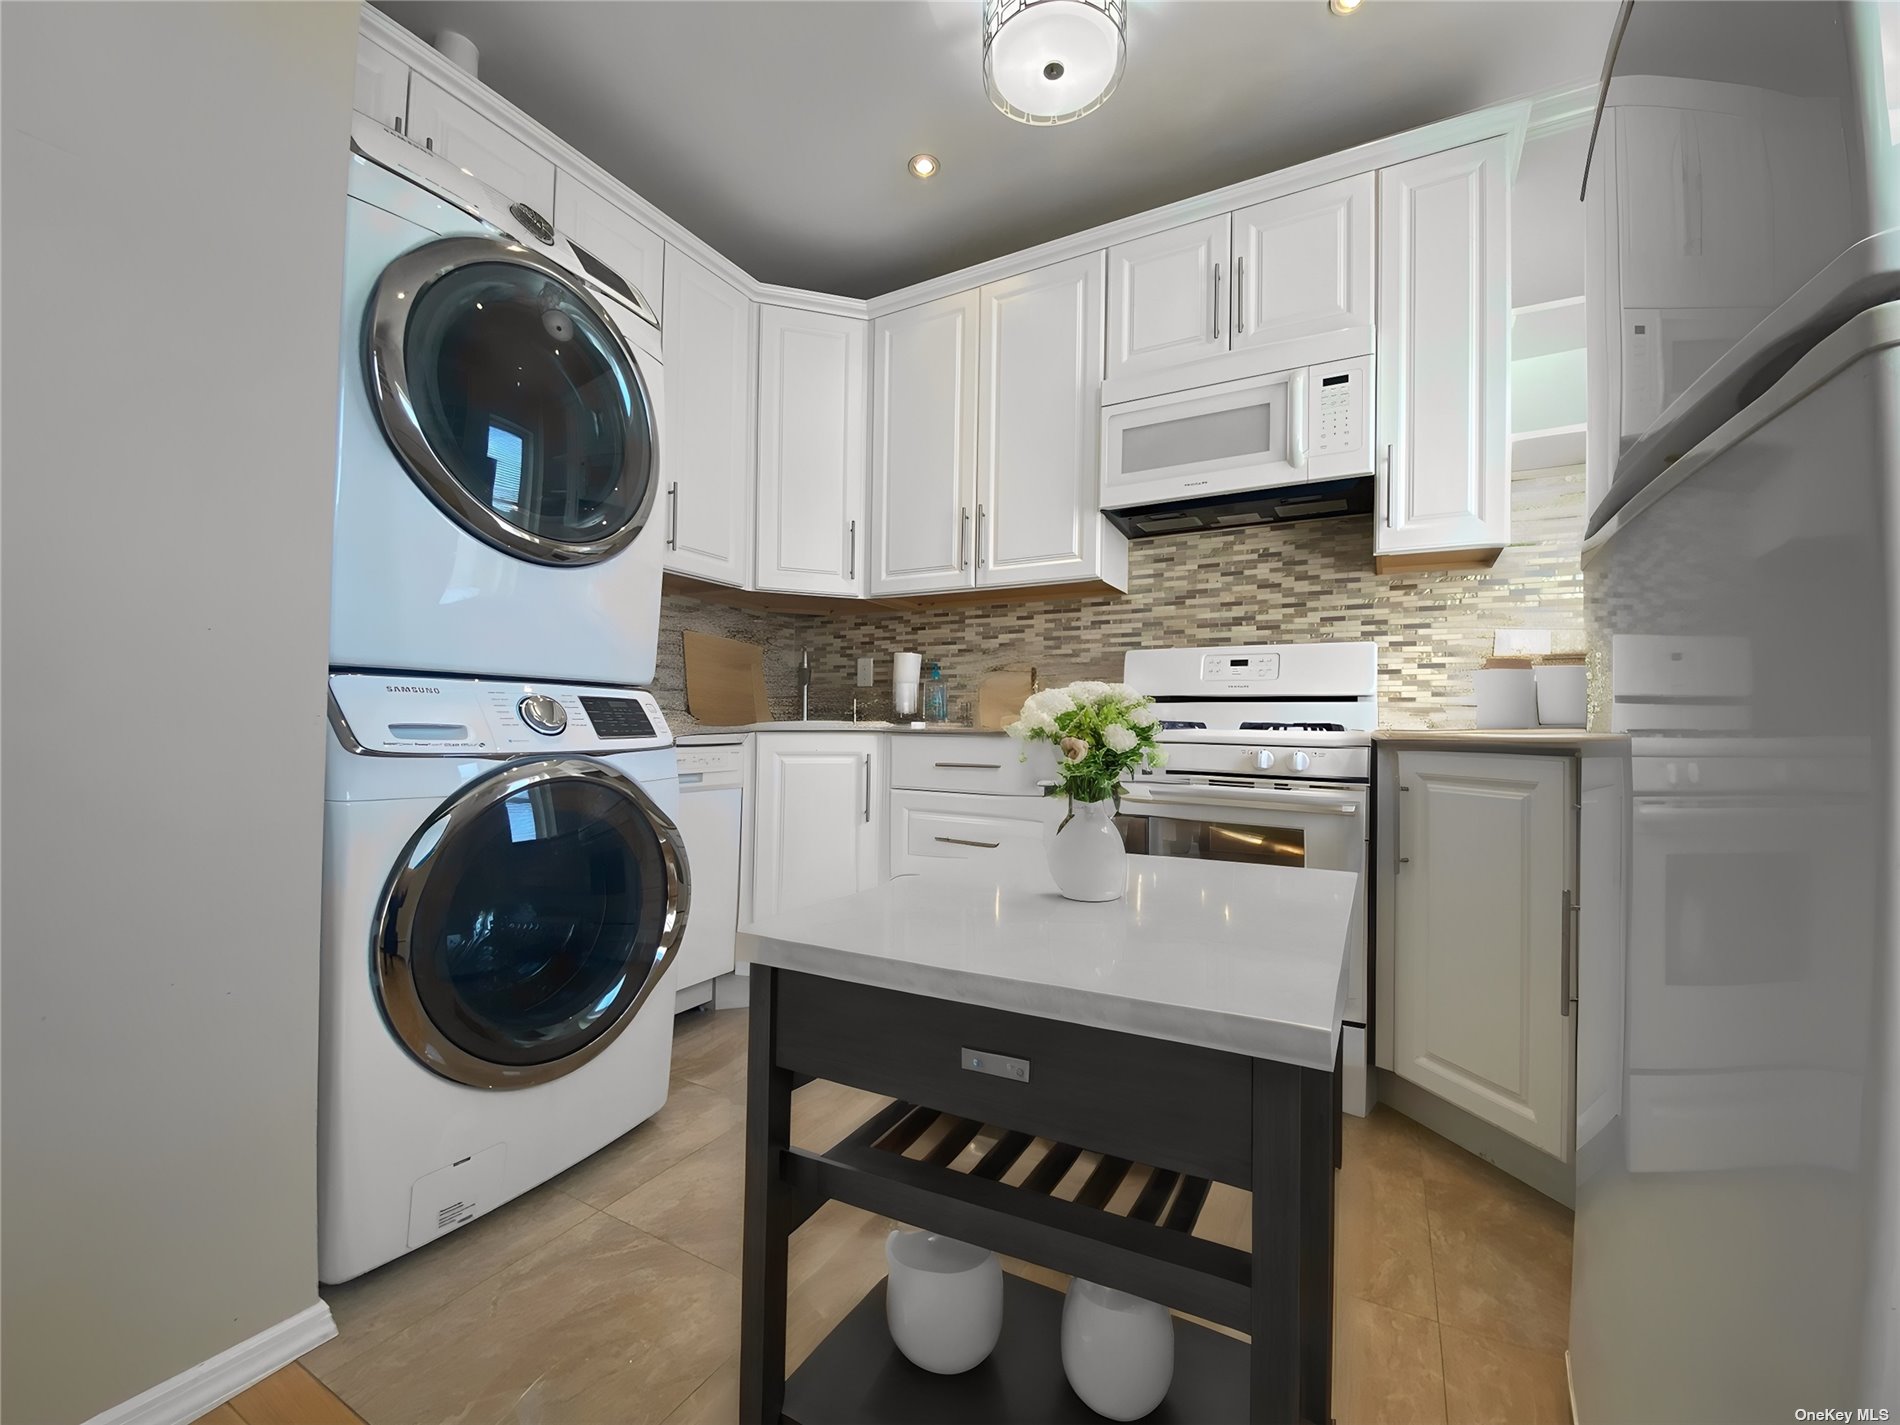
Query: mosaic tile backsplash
{"points": [[1266, 584]]}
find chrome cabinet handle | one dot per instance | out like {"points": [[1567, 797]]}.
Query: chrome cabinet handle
{"points": [[963, 540], [1240, 296], [1567, 986], [867, 786], [851, 568], [673, 515], [974, 766], [1398, 839], [1388, 487], [979, 536], [960, 841], [1296, 418], [1217, 300]]}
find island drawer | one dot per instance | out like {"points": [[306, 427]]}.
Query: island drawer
{"points": [[1177, 1106], [932, 829], [955, 762]]}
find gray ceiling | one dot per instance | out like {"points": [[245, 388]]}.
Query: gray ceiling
{"points": [[778, 130]]}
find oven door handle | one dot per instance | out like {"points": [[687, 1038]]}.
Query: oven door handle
{"points": [[1186, 796]]}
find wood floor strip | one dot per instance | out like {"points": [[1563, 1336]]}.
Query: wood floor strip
{"points": [[291, 1396]]}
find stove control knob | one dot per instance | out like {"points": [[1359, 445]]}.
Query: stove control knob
{"points": [[542, 713], [1300, 762], [1263, 760]]}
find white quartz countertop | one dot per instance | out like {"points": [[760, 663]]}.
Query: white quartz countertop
{"points": [[1249, 959]]}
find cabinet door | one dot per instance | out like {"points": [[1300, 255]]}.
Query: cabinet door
{"points": [[382, 84], [818, 823], [443, 124], [706, 440], [710, 822], [1167, 297], [1444, 353], [1303, 265], [1479, 938], [1038, 472], [931, 831], [612, 234], [811, 452], [923, 447]]}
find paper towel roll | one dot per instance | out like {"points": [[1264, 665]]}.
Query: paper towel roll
{"points": [[906, 671]]}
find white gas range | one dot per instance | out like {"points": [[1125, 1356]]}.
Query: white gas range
{"points": [[1269, 761]]}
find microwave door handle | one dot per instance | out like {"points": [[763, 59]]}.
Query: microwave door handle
{"points": [[1296, 419]]}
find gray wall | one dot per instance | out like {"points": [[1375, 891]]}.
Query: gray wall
{"points": [[175, 178]]}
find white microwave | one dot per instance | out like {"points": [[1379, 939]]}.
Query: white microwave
{"points": [[1284, 428]]}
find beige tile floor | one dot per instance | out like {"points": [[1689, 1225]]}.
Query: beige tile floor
{"points": [[611, 1294]]}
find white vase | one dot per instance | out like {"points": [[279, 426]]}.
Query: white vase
{"points": [[1117, 1350], [1087, 857], [943, 1300]]}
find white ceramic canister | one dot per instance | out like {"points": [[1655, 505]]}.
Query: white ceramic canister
{"points": [[1117, 1350], [1086, 857], [943, 1300]]}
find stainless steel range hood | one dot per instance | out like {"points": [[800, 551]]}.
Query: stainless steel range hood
{"points": [[1285, 504]]}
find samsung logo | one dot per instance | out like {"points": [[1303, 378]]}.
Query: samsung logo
{"points": [[409, 688]]}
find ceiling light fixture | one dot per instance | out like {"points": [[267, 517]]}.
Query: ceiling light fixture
{"points": [[1344, 7], [1050, 61], [924, 165]]}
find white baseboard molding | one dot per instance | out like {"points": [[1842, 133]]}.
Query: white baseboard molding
{"points": [[209, 1384]]}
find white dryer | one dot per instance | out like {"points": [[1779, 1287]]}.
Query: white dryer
{"points": [[504, 892], [498, 450]]}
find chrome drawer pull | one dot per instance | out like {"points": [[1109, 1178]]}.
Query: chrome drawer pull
{"points": [[959, 841], [972, 766]]}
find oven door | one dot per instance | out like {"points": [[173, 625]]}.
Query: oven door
{"points": [[1324, 829]]}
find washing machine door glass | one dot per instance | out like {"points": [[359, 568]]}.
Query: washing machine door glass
{"points": [[512, 399], [527, 922]]}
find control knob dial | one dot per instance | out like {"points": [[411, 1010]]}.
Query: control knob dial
{"points": [[1263, 759], [544, 714], [1299, 762]]}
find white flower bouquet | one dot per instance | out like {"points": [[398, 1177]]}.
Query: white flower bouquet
{"points": [[1101, 731]]}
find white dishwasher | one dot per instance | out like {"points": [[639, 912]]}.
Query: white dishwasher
{"points": [[712, 781]]}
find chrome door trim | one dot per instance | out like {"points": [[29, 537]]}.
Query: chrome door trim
{"points": [[401, 285], [391, 949]]}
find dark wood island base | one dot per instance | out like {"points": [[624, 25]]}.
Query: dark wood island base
{"points": [[1192, 1115]]}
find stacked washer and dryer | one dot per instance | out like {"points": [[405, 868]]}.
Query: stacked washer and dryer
{"points": [[504, 884]]}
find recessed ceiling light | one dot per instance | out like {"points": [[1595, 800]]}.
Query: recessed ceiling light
{"points": [[1343, 7], [924, 165]]}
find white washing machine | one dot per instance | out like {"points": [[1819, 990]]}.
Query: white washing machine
{"points": [[504, 893], [498, 446]]}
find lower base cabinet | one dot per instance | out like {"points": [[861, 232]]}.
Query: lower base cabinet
{"points": [[932, 829], [1481, 937], [818, 817]]}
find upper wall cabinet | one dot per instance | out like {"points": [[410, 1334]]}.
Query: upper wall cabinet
{"points": [[382, 84], [443, 124], [1303, 268], [706, 436], [923, 447], [1038, 463], [1166, 297], [608, 231], [1444, 359], [811, 452]]}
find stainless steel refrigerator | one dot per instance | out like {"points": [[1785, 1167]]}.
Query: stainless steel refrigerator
{"points": [[1737, 1250]]}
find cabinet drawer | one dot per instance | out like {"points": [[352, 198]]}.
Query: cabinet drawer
{"points": [[949, 762], [930, 828], [1171, 1105]]}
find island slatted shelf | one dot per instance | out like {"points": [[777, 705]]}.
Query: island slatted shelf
{"points": [[1175, 1117]]}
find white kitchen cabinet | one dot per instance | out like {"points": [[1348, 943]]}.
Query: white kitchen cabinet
{"points": [[1038, 465], [382, 84], [1707, 173], [811, 426], [711, 818], [1479, 1011], [1303, 267], [923, 447], [443, 124], [607, 231], [706, 436], [1444, 477], [818, 822], [933, 830], [1168, 297]]}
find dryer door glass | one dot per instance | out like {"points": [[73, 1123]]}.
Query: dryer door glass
{"points": [[530, 918], [514, 402]]}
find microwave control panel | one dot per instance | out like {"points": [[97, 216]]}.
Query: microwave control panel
{"points": [[1341, 413]]}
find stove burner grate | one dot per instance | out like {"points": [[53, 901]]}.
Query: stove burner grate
{"points": [[1291, 727]]}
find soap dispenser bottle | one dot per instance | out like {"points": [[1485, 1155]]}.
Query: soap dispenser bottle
{"points": [[936, 696]]}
